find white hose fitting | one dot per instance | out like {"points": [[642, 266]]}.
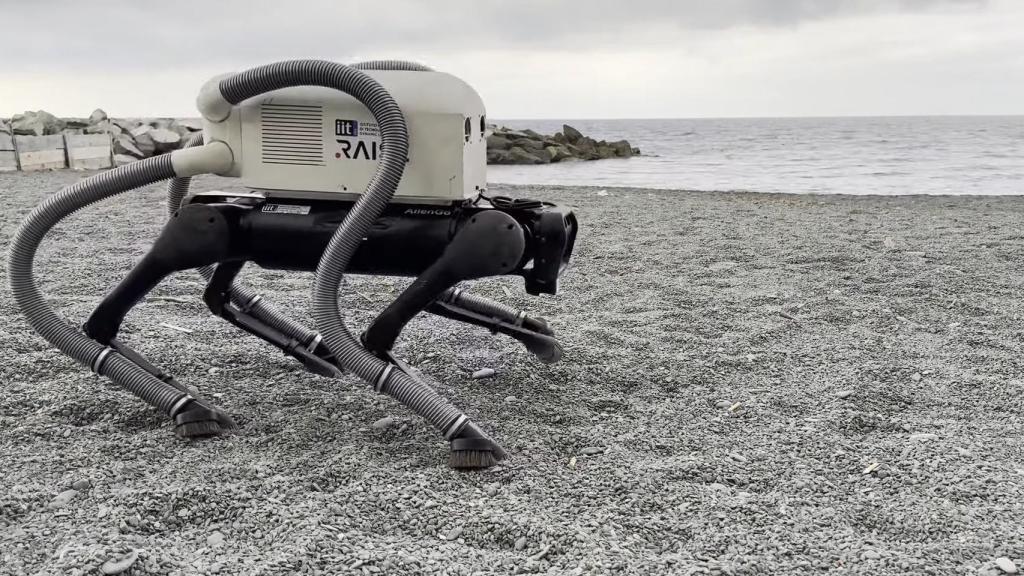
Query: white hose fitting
{"points": [[211, 103], [212, 158]]}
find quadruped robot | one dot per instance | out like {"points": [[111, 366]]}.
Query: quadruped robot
{"points": [[374, 168]]}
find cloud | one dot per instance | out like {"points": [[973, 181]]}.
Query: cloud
{"points": [[126, 34], [527, 58]]}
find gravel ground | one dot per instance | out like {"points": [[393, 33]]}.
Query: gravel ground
{"points": [[753, 384]]}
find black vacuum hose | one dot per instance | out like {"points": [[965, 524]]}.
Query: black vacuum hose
{"points": [[44, 319], [385, 377]]}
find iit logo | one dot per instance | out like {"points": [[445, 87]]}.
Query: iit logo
{"points": [[346, 128]]}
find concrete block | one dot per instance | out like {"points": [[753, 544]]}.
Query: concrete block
{"points": [[8, 158], [41, 152], [88, 151]]}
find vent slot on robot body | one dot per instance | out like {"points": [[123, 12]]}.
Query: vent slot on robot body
{"points": [[292, 134]]}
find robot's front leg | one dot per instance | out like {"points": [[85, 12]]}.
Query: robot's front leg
{"points": [[533, 333], [491, 243], [195, 236]]}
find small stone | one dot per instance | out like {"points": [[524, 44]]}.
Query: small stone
{"points": [[492, 490], [844, 394], [190, 124], [36, 123], [453, 533], [723, 404], [122, 159], [120, 564], [1006, 565], [165, 140], [62, 499], [140, 130], [215, 539], [571, 134], [125, 145], [923, 437], [213, 371], [145, 144], [383, 424], [916, 376], [81, 485], [510, 398], [98, 115], [496, 142], [124, 125], [483, 373], [870, 555], [520, 156], [520, 544], [591, 450]]}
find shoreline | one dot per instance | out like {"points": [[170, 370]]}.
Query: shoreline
{"points": [[674, 191]]}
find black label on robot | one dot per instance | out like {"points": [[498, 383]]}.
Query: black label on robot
{"points": [[285, 209], [346, 127], [359, 140]]}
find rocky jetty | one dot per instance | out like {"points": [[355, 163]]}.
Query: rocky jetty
{"points": [[133, 139], [506, 146]]}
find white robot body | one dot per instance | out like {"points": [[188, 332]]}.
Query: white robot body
{"points": [[314, 142]]}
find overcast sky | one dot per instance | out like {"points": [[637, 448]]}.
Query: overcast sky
{"points": [[538, 58]]}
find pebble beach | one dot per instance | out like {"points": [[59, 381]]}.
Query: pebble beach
{"points": [[752, 384]]}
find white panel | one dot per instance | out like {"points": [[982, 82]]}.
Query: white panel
{"points": [[313, 141]]}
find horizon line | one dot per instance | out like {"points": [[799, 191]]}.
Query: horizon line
{"points": [[642, 118], [782, 117]]}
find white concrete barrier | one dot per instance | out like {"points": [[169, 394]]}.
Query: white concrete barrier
{"points": [[88, 151], [41, 152], [8, 157]]}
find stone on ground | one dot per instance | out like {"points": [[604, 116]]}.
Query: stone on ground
{"points": [[166, 140]]}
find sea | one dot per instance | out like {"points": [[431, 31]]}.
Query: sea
{"points": [[974, 155]]}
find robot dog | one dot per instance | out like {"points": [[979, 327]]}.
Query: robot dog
{"points": [[373, 168]]}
